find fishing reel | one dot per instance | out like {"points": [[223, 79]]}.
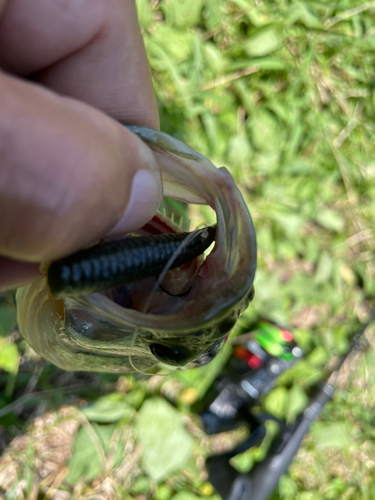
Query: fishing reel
{"points": [[258, 358]]}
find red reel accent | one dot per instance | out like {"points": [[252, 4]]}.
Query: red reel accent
{"points": [[287, 336], [255, 362], [251, 359]]}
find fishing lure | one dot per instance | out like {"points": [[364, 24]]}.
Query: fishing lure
{"points": [[124, 261], [136, 325]]}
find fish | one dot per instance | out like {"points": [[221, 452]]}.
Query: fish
{"points": [[136, 326]]}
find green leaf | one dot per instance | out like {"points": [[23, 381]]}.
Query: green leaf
{"points": [[9, 357], [239, 151], [268, 300], [141, 486], [300, 12], [163, 493], [145, 13], [287, 487], [214, 58], [265, 131], [266, 163], [178, 44], [212, 14], [135, 397], [291, 223], [85, 460], [318, 357], [185, 495], [332, 435], [243, 462], [110, 408], [306, 374], [324, 268], [276, 402], [330, 219], [262, 63], [255, 15], [166, 443], [335, 489], [310, 495], [268, 63], [182, 13], [263, 42], [297, 402]]}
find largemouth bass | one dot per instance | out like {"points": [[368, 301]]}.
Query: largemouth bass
{"points": [[135, 326]]}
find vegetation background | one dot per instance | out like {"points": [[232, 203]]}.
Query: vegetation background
{"points": [[282, 92]]}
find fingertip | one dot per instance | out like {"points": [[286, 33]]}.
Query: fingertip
{"points": [[14, 273], [145, 198], [70, 178]]}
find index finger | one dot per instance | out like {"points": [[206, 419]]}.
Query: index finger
{"points": [[91, 50]]}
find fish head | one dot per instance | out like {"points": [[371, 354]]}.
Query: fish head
{"points": [[133, 328]]}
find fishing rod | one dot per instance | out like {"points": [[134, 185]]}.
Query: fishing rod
{"points": [[226, 409]]}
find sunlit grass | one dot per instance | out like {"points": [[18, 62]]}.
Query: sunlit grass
{"points": [[282, 93]]}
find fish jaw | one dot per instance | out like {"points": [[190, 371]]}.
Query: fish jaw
{"points": [[95, 333]]}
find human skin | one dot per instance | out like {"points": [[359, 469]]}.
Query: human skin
{"points": [[70, 174]]}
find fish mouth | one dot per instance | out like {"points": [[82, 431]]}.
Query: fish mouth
{"points": [[180, 289], [182, 323], [167, 293], [134, 326], [171, 286]]}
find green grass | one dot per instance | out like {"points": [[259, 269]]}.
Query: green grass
{"points": [[283, 94]]}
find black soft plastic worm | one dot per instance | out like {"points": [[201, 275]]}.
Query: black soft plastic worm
{"points": [[124, 261]]}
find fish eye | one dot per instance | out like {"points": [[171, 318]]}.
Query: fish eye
{"points": [[175, 355]]}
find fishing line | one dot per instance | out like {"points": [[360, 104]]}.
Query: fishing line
{"points": [[130, 355], [157, 284], [145, 351], [168, 265]]}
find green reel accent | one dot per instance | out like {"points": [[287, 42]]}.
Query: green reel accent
{"points": [[274, 340]]}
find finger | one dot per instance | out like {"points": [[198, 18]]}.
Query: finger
{"points": [[14, 273], [88, 49], [68, 174]]}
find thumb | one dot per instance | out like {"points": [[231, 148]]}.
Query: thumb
{"points": [[69, 174]]}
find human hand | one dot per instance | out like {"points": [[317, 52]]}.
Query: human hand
{"points": [[69, 172]]}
